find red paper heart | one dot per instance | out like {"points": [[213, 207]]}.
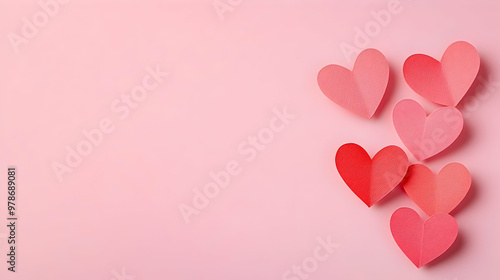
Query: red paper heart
{"points": [[361, 90], [444, 82], [439, 193], [423, 241], [371, 179], [426, 136]]}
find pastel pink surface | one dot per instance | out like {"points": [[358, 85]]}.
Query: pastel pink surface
{"points": [[444, 82], [422, 241], [360, 90], [439, 193], [120, 207], [371, 179], [426, 136]]}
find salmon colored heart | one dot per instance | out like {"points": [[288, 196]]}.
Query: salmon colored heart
{"points": [[371, 179], [361, 90], [426, 136], [444, 82], [439, 193], [423, 241]]}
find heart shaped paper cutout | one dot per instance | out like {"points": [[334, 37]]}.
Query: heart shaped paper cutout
{"points": [[439, 193], [423, 241], [371, 179], [426, 136], [447, 81], [361, 90]]}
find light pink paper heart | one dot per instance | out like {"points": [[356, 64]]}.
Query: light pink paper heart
{"points": [[444, 82], [361, 90], [426, 136], [439, 193], [423, 241]]}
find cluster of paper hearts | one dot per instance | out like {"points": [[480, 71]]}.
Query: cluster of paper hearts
{"points": [[371, 179], [444, 82]]}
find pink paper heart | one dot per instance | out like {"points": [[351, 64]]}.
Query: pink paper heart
{"points": [[439, 193], [426, 136], [444, 82], [361, 90], [423, 241]]}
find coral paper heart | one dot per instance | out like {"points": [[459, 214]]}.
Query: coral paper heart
{"points": [[423, 241], [426, 136], [444, 82], [371, 179], [439, 193], [361, 90]]}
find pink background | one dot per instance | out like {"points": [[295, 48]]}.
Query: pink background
{"points": [[120, 207]]}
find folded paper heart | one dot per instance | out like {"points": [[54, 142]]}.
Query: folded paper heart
{"points": [[371, 179], [360, 90], [423, 241], [444, 82], [439, 193], [426, 136]]}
